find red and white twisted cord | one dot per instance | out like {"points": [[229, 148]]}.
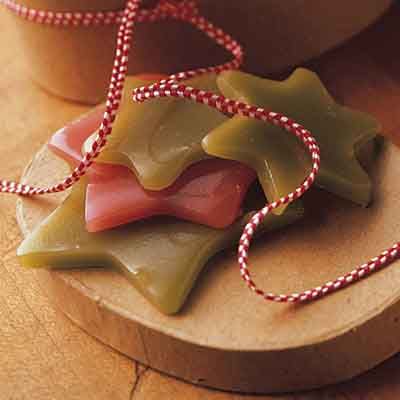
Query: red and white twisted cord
{"points": [[172, 87]]}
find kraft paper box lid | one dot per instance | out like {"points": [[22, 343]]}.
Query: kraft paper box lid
{"points": [[75, 63]]}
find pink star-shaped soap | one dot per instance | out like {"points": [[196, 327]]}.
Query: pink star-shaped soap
{"points": [[209, 192]]}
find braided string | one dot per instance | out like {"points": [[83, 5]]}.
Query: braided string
{"points": [[172, 87]]}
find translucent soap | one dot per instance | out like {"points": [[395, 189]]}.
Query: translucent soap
{"points": [[162, 257], [159, 139], [209, 192], [281, 162]]}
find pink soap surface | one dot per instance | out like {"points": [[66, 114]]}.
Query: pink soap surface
{"points": [[209, 192], [67, 142]]}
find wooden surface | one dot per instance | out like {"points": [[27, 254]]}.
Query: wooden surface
{"points": [[42, 354], [337, 337]]}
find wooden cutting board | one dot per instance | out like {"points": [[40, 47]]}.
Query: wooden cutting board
{"points": [[226, 337]]}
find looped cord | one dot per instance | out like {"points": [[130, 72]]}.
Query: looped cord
{"points": [[187, 11]]}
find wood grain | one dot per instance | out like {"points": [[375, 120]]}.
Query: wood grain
{"points": [[43, 355]]}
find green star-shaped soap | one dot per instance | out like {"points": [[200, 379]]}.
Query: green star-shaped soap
{"points": [[280, 160], [159, 139], [161, 256]]}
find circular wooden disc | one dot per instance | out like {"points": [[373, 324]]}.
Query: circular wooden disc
{"points": [[228, 338]]}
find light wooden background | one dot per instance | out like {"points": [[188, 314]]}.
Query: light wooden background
{"points": [[42, 354]]}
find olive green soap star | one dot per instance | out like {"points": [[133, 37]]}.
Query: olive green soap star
{"points": [[161, 257], [281, 161], [160, 138]]}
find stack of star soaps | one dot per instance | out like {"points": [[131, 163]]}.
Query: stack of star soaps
{"points": [[177, 181]]}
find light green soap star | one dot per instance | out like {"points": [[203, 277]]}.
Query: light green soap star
{"points": [[162, 257], [160, 138]]}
